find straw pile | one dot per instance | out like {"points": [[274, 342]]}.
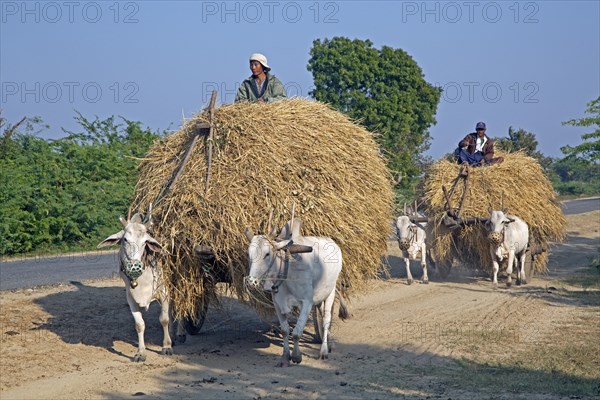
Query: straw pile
{"points": [[266, 157], [527, 194]]}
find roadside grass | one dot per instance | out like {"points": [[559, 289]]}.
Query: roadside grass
{"points": [[562, 361]]}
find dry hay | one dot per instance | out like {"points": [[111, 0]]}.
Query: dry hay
{"points": [[527, 193], [267, 157]]}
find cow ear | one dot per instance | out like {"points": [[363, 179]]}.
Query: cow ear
{"points": [[249, 234], [285, 233], [490, 210], [273, 233], [112, 239], [153, 245], [137, 218]]}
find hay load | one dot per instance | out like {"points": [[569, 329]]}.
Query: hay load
{"points": [[266, 157], [526, 191]]}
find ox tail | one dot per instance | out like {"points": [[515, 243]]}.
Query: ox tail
{"points": [[343, 313]]}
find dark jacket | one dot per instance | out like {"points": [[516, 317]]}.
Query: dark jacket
{"points": [[470, 142], [273, 90]]}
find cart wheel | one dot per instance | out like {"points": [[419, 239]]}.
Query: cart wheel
{"points": [[317, 317], [193, 328], [443, 269]]}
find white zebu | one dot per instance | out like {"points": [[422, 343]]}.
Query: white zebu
{"points": [[143, 281], [509, 237], [310, 280], [412, 240]]}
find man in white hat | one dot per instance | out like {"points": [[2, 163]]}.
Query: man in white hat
{"points": [[261, 86]]}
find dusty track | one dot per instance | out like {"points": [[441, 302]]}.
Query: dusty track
{"points": [[456, 338]]}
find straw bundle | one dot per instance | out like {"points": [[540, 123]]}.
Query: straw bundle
{"points": [[519, 181], [266, 157]]}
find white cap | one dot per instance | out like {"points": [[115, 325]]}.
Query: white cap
{"points": [[261, 59]]}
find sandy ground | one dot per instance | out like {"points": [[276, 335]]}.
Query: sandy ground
{"points": [[417, 341]]}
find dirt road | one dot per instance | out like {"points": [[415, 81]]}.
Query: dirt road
{"points": [[455, 338]]}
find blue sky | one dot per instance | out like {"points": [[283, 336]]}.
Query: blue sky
{"points": [[526, 64]]}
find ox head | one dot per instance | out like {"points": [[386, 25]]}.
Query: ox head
{"points": [[496, 225], [405, 231], [265, 257], [134, 240], [264, 261]]}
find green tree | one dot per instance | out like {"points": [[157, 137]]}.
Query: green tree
{"points": [[386, 91], [590, 148], [67, 193], [521, 140]]}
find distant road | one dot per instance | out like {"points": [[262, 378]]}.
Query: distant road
{"points": [[581, 206], [28, 273], [32, 272]]}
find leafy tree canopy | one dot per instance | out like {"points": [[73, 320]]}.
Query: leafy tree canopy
{"points": [[385, 90], [590, 148], [67, 193]]}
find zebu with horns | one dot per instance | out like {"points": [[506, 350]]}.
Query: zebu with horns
{"points": [[142, 277], [300, 271]]}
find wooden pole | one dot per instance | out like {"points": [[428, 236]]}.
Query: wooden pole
{"points": [[211, 113]]}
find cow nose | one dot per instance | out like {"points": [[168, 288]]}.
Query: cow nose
{"points": [[404, 244], [495, 237], [251, 281]]}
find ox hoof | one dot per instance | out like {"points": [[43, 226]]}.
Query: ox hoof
{"points": [[495, 285], [139, 357], [283, 363], [523, 281], [518, 282], [508, 284], [425, 282], [409, 281], [181, 339], [297, 358], [323, 356], [166, 351]]}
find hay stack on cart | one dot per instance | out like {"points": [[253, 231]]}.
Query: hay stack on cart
{"points": [[458, 204], [248, 160]]}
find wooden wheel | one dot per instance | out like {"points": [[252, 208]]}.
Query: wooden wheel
{"points": [[192, 326]]}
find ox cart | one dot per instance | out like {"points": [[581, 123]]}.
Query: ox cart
{"points": [[452, 220], [212, 270]]}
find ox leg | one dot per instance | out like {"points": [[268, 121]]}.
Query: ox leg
{"points": [[328, 308], [164, 319], [299, 329], [425, 278], [509, 267], [409, 278], [285, 332], [176, 327], [140, 356], [496, 268], [521, 278]]}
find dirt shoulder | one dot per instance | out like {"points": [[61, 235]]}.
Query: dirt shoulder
{"points": [[454, 338]]}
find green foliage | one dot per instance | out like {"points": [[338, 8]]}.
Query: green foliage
{"points": [[386, 91], [578, 173], [68, 193], [521, 140], [590, 148]]}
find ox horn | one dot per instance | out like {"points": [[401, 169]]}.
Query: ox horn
{"points": [[149, 222], [249, 234], [129, 214], [293, 212], [405, 213]]}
